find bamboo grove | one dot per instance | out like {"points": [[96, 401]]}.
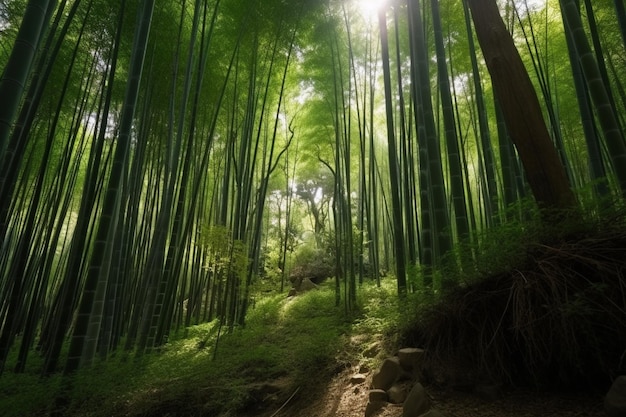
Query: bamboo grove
{"points": [[162, 162]]}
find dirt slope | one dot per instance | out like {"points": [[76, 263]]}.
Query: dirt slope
{"points": [[341, 398]]}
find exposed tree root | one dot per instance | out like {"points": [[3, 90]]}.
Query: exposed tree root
{"points": [[560, 320]]}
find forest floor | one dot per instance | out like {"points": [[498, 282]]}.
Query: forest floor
{"points": [[567, 320], [556, 320], [340, 398]]}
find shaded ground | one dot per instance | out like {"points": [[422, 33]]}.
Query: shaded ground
{"points": [[340, 398]]}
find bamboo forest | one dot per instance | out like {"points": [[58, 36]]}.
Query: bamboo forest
{"points": [[257, 208]]}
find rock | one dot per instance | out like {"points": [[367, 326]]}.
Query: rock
{"points": [[409, 375], [377, 395], [389, 372], [317, 269], [373, 408], [615, 400], [488, 392], [357, 379], [410, 358], [416, 403], [396, 394], [301, 285], [306, 285]]}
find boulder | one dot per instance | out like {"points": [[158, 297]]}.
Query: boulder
{"points": [[388, 374], [301, 285], [615, 400], [416, 403], [377, 395], [373, 408], [396, 394], [317, 269], [306, 285], [410, 358]]}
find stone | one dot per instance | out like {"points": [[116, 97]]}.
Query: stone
{"points": [[615, 400], [396, 394], [357, 379], [373, 408], [306, 285], [416, 403], [409, 375], [292, 292], [388, 374], [410, 358], [377, 395]]}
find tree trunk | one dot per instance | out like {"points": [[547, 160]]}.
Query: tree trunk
{"points": [[520, 108], [394, 173], [15, 74], [598, 90]]}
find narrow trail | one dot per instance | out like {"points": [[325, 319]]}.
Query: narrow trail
{"points": [[341, 398]]}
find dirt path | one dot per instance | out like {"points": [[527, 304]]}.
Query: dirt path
{"points": [[341, 398]]}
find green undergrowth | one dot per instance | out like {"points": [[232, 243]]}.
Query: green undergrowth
{"points": [[287, 345]]}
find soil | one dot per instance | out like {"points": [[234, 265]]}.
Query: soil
{"points": [[341, 398]]}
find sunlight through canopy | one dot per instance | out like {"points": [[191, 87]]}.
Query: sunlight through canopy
{"points": [[370, 8]]}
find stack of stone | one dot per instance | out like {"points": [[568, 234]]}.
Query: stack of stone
{"points": [[397, 382]]}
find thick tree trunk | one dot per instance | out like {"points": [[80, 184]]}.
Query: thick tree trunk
{"points": [[521, 110]]}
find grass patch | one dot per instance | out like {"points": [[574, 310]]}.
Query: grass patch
{"points": [[287, 343], [284, 340]]}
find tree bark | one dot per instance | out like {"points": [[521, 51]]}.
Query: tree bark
{"points": [[521, 110]]}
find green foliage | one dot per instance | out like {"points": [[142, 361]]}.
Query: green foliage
{"points": [[226, 254], [496, 249], [292, 339], [26, 394], [309, 254], [505, 247], [309, 261], [284, 339], [381, 309], [382, 317], [289, 341]]}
